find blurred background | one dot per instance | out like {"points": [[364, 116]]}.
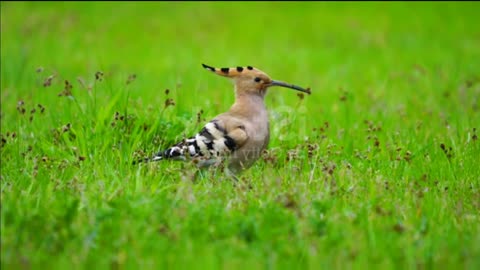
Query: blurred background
{"points": [[309, 42]]}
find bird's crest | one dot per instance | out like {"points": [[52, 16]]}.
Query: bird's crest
{"points": [[233, 71]]}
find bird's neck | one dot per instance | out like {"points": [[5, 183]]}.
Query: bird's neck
{"points": [[248, 105]]}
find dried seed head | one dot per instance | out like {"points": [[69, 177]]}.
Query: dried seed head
{"points": [[292, 155], [344, 95], [199, 116], [131, 78], [99, 76], [68, 85], [67, 91], [48, 81], [20, 107], [399, 228], [169, 102], [66, 127], [408, 156]]}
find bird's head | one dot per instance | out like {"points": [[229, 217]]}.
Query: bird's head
{"points": [[249, 80]]}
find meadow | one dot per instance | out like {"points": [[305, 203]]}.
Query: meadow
{"points": [[377, 169]]}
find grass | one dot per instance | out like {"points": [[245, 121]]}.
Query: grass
{"points": [[378, 168]]}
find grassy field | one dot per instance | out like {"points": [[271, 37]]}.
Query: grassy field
{"points": [[377, 169]]}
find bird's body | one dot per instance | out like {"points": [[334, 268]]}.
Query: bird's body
{"points": [[237, 136]]}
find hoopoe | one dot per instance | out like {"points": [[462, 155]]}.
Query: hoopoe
{"points": [[237, 136]]}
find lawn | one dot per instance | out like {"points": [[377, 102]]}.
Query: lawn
{"points": [[377, 169]]}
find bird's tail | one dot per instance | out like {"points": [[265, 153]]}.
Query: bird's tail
{"points": [[174, 152], [156, 157]]}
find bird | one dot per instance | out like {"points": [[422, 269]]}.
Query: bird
{"points": [[237, 137]]}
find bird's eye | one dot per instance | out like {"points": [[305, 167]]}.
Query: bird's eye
{"points": [[257, 79]]}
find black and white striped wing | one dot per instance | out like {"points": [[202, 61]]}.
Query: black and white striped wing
{"points": [[211, 142]]}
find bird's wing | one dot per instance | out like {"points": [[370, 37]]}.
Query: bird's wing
{"points": [[217, 139]]}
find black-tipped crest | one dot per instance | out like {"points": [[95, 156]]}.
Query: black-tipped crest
{"points": [[208, 67], [225, 70]]}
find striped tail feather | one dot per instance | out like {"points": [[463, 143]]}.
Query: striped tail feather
{"points": [[210, 143]]}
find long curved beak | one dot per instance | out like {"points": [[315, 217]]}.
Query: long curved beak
{"points": [[291, 86]]}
